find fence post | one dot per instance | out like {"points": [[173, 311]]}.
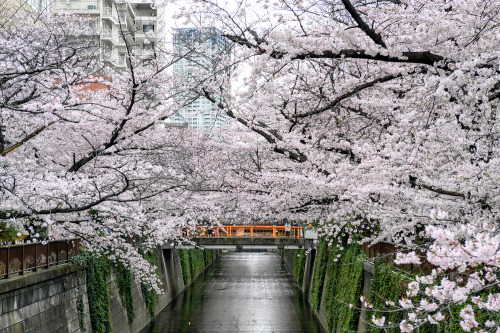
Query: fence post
{"points": [[7, 264], [36, 257], [22, 261]]}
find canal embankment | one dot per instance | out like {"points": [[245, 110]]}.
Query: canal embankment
{"points": [[334, 278], [102, 299]]}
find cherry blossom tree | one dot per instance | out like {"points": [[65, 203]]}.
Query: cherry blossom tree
{"points": [[382, 121], [84, 146]]}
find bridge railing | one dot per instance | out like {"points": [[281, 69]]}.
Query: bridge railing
{"points": [[252, 231], [18, 259]]}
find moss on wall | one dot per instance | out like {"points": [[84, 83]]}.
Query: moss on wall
{"points": [[97, 267]]}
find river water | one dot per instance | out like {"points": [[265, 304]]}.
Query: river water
{"points": [[241, 292]]}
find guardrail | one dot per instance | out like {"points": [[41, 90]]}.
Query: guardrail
{"points": [[18, 259], [251, 231]]}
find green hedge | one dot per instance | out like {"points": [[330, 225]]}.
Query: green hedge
{"points": [[319, 273]]}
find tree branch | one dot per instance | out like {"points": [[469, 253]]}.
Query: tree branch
{"points": [[419, 57], [27, 138], [362, 25]]}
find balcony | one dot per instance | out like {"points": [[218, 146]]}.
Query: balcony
{"points": [[108, 13], [107, 34]]}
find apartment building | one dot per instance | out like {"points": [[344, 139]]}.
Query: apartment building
{"points": [[118, 24], [200, 48]]}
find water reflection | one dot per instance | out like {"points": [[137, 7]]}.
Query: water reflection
{"points": [[242, 292]]}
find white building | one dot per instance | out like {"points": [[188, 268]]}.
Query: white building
{"points": [[200, 48], [117, 23], [39, 6]]}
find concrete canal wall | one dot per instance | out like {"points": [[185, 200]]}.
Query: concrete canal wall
{"points": [[333, 279], [314, 280], [46, 301]]}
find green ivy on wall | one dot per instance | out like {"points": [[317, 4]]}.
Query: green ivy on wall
{"points": [[197, 262], [299, 266], [150, 296], [185, 266], [344, 287], [209, 256], [98, 271], [387, 285], [319, 273], [332, 276], [79, 261], [194, 262], [124, 281]]}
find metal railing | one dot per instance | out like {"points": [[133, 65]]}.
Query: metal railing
{"points": [[18, 259], [252, 231]]}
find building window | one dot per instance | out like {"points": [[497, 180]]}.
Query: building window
{"points": [[148, 27], [91, 7], [148, 46]]}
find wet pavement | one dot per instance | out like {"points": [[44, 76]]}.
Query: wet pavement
{"points": [[242, 292]]}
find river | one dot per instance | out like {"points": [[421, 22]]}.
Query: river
{"points": [[241, 292]]}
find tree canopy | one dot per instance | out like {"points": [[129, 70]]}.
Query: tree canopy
{"points": [[377, 119]]}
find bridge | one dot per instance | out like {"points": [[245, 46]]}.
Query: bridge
{"points": [[246, 237]]}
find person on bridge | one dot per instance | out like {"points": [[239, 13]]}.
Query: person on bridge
{"points": [[287, 229]]}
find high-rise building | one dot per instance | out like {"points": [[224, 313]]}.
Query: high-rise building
{"points": [[117, 23], [39, 5], [199, 52], [31, 11]]}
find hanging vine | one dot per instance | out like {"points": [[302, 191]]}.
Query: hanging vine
{"points": [[79, 261], [150, 296], [124, 282]]}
